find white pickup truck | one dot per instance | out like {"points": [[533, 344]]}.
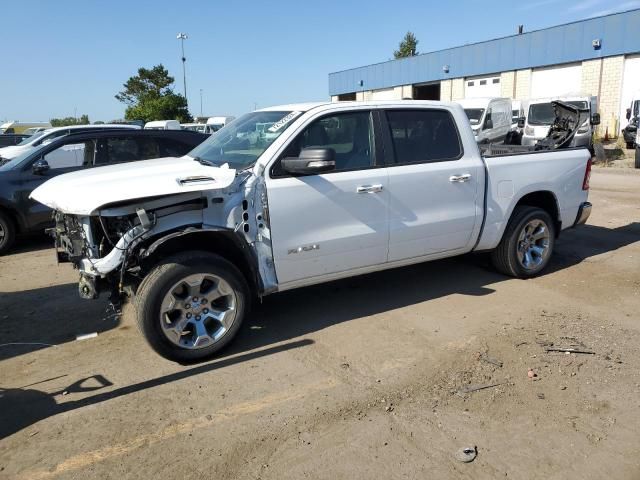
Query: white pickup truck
{"points": [[335, 190]]}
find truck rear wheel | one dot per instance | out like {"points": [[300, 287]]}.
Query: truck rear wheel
{"points": [[191, 305], [527, 244], [637, 164]]}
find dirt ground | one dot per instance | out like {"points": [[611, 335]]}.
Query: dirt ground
{"points": [[365, 378]]}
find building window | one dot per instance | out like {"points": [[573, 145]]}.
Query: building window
{"points": [[470, 84], [483, 82], [346, 97], [496, 80]]}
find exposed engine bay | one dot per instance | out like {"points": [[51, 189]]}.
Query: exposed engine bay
{"points": [[112, 248]]}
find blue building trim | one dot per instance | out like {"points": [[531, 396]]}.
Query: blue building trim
{"points": [[619, 34]]}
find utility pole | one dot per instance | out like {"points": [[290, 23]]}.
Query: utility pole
{"points": [[182, 37]]}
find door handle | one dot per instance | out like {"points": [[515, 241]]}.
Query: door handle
{"points": [[369, 188], [460, 178]]}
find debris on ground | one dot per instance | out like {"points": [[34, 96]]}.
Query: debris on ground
{"points": [[493, 361], [475, 388], [86, 336], [531, 374], [568, 350], [467, 454]]}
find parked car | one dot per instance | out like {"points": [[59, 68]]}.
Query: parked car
{"points": [[162, 125], [20, 127], [637, 159], [49, 135], [540, 115], [9, 139], [490, 118], [216, 123], [633, 116], [33, 130], [196, 127], [339, 189], [79, 151]]}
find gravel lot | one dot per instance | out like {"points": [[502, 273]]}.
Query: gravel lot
{"points": [[363, 378]]}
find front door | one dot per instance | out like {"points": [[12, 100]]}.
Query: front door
{"points": [[434, 186], [328, 223]]}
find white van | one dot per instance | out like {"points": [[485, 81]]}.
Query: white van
{"points": [[20, 127], [163, 125], [216, 123], [490, 118], [194, 127], [539, 116]]}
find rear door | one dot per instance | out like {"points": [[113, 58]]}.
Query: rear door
{"points": [[434, 192], [333, 222]]}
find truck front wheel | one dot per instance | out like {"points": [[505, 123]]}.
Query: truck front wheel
{"points": [[191, 305], [527, 243]]}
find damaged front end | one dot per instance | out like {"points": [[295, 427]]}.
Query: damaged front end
{"points": [[105, 247], [114, 244]]}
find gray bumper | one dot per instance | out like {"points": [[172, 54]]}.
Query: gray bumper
{"points": [[583, 214]]}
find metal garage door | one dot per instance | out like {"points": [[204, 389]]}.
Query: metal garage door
{"points": [[482, 87], [556, 81], [383, 94], [630, 85]]}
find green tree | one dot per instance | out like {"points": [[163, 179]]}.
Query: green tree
{"points": [[149, 96], [66, 121], [408, 47]]}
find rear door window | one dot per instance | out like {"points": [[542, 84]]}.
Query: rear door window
{"points": [[423, 136], [170, 147]]}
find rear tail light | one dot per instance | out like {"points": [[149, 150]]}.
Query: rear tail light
{"points": [[587, 176]]}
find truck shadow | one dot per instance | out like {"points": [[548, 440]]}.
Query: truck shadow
{"points": [[44, 317], [284, 317], [22, 407], [296, 313]]}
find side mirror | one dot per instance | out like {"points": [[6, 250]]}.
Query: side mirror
{"points": [[40, 167], [628, 113], [488, 123], [521, 121], [595, 119], [311, 160]]}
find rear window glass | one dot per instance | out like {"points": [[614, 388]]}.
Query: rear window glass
{"points": [[422, 136]]}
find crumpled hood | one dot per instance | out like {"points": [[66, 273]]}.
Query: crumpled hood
{"points": [[83, 192]]}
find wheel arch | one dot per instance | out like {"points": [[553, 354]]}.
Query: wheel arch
{"points": [[545, 200], [223, 242]]}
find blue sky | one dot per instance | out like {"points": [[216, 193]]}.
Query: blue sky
{"points": [[64, 56]]}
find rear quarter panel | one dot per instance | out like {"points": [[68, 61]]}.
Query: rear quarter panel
{"points": [[511, 177]]}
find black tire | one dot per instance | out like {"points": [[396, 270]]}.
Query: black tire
{"points": [[505, 256], [7, 233], [637, 163], [156, 285]]}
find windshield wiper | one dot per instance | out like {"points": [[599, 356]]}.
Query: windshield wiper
{"points": [[204, 162]]}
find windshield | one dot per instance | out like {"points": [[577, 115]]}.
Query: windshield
{"points": [[32, 138], [242, 142], [543, 114], [474, 115]]}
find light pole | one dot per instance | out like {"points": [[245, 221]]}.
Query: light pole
{"points": [[201, 102], [182, 37]]}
